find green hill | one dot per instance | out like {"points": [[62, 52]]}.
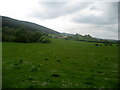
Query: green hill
{"points": [[13, 23], [26, 32]]}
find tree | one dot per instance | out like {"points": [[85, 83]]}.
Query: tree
{"points": [[36, 36], [8, 38], [7, 30], [22, 35]]}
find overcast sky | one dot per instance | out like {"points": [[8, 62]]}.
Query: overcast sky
{"points": [[99, 19]]}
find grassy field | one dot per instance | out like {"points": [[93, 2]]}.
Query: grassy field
{"points": [[60, 64]]}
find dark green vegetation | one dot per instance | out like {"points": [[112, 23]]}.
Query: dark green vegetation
{"points": [[26, 32], [60, 64]]}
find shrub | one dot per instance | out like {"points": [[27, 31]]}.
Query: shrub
{"points": [[7, 38], [36, 36], [44, 39]]}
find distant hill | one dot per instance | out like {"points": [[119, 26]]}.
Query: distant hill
{"points": [[66, 34], [13, 23]]}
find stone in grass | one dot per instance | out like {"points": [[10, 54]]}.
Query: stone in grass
{"points": [[39, 65], [106, 58], [67, 57], [91, 70], [85, 62], [46, 59], [58, 60], [15, 64], [23, 80], [48, 54], [34, 69], [88, 83], [30, 78], [21, 61], [55, 75], [100, 72], [72, 73], [17, 67], [93, 75], [49, 80], [90, 78]]}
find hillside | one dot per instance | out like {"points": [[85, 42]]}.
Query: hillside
{"points": [[13, 23]]}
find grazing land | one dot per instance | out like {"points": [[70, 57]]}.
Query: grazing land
{"points": [[60, 64]]}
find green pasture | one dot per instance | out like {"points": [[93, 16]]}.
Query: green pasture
{"points": [[59, 64]]}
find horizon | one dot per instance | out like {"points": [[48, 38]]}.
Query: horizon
{"points": [[94, 18]]}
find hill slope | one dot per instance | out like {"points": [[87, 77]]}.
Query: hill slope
{"points": [[13, 23]]}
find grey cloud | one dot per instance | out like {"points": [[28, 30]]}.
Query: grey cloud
{"points": [[107, 28], [53, 4], [57, 9], [95, 20], [105, 31], [109, 15]]}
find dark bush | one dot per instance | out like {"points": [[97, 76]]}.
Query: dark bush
{"points": [[44, 39], [96, 44], [22, 35], [55, 75], [8, 38], [36, 36]]}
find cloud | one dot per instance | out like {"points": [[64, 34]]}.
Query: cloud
{"points": [[99, 13], [56, 9], [91, 19]]}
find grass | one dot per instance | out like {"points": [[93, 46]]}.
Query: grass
{"points": [[60, 64]]}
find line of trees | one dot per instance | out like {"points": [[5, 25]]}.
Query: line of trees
{"points": [[89, 38], [24, 36]]}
